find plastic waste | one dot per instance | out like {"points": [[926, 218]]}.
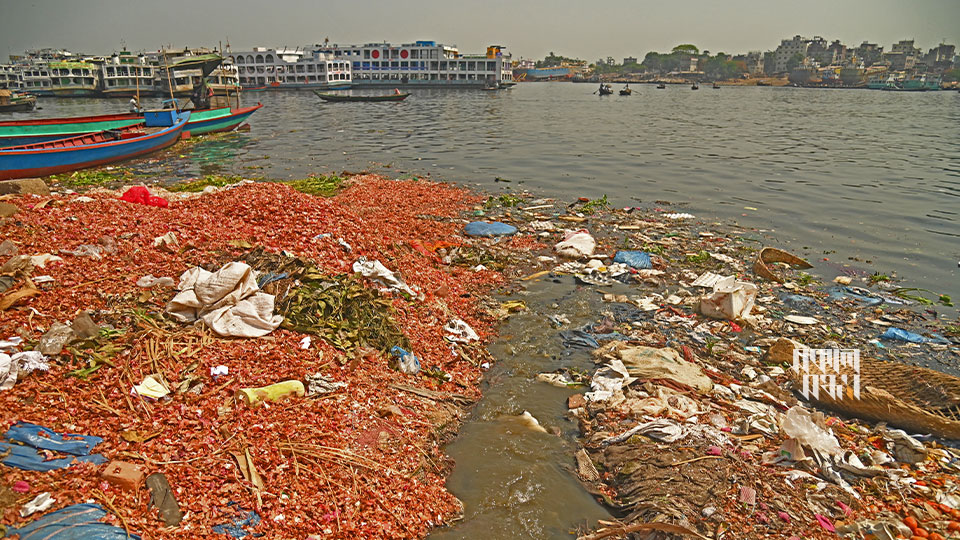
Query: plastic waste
{"points": [[273, 392], [489, 228], [23, 440], [664, 430], [319, 383], [75, 522], [807, 428], [652, 363], [905, 448], [576, 245], [86, 250], [151, 387], [864, 297], [899, 334], [52, 342], [634, 259], [14, 367], [730, 299], [167, 242], [141, 195], [460, 331], [378, 273], [407, 362], [39, 503], [238, 524]]}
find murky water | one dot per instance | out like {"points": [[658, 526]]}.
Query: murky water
{"points": [[514, 481], [836, 173]]}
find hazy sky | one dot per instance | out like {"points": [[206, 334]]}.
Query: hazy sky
{"points": [[529, 28]]}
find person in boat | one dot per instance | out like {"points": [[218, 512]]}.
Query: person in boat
{"points": [[134, 105], [396, 91], [5, 95]]}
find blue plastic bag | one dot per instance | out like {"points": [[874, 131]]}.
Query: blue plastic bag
{"points": [[634, 259], [489, 228], [75, 522], [406, 361], [863, 296], [899, 334], [25, 455]]}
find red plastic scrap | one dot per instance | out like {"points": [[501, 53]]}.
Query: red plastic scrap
{"points": [[141, 195]]}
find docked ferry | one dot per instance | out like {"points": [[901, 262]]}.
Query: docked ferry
{"points": [[73, 79], [179, 72], [125, 74], [423, 64], [291, 68]]}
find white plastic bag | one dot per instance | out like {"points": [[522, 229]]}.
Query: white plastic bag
{"points": [[805, 426], [576, 245]]}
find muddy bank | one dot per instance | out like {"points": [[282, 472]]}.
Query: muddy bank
{"points": [[354, 451]]}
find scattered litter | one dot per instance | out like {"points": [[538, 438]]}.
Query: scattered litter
{"points": [[273, 392], [460, 331], [769, 255], [378, 273], [152, 387], [576, 245], [800, 319], [23, 442], [709, 280], [319, 383], [141, 195], [407, 362], [149, 281], [40, 503], [167, 242], [678, 215], [899, 334], [633, 259], [731, 300], [75, 522]]}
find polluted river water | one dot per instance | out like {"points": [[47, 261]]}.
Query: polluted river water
{"points": [[858, 181]]}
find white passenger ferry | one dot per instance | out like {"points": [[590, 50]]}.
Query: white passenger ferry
{"points": [[424, 64], [291, 68], [11, 77], [125, 74]]}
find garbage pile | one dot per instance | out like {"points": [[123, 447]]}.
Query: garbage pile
{"points": [[710, 413], [252, 361]]}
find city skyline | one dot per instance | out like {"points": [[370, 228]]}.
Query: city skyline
{"points": [[528, 29]]}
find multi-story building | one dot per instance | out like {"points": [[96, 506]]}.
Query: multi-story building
{"points": [[868, 53], [787, 49], [423, 64]]}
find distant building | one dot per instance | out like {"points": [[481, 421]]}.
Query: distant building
{"points": [[752, 61], [787, 49], [769, 62], [868, 53], [819, 52], [900, 60], [906, 46], [839, 52], [629, 60]]}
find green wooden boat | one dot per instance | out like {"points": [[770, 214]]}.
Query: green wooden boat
{"points": [[345, 98]]}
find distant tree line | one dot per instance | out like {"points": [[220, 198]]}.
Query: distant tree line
{"points": [[552, 60], [718, 66]]}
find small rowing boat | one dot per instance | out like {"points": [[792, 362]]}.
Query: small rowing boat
{"points": [[338, 98], [89, 150]]}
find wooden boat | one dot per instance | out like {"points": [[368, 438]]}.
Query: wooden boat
{"points": [[20, 132], [626, 92], [89, 150], [342, 98], [255, 89], [661, 86], [605, 90], [715, 85], [695, 86], [20, 103]]}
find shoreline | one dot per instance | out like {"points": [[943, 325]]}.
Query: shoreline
{"points": [[678, 248]]}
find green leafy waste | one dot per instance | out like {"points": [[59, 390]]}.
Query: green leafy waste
{"points": [[343, 311], [199, 184], [92, 177], [324, 186]]}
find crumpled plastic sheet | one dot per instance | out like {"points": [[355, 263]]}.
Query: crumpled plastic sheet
{"points": [[238, 525], [899, 334], [634, 259], [228, 301], [664, 430], [25, 455], [578, 339], [378, 273], [576, 245], [75, 522], [864, 297], [489, 228], [11, 366], [39, 503], [609, 381]]}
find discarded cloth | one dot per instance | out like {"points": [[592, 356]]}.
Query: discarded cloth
{"points": [[23, 440], [378, 273], [576, 245], [75, 522], [141, 195], [228, 301], [633, 259], [489, 228]]}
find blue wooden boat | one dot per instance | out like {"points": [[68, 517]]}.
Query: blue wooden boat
{"points": [[92, 149]]}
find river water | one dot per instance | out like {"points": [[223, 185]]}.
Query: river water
{"points": [[862, 178]]}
